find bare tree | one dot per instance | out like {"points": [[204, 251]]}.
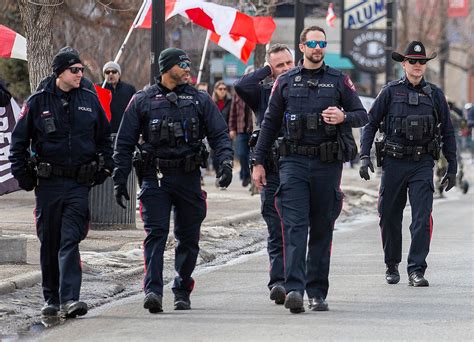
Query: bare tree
{"points": [[37, 18]]}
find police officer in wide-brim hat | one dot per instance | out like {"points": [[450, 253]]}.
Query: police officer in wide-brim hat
{"points": [[414, 117]]}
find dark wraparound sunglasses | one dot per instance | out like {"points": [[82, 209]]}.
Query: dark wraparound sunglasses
{"points": [[184, 65], [76, 70], [413, 61], [110, 72]]}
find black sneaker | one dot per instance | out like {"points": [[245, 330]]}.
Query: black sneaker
{"points": [[153, 302], [294, 302], [72, 309], [417, 279], [392, 276], [278, 294], [318, 304], [182, 301], [50, 310]]}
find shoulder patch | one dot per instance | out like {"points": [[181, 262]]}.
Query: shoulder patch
{"points": [[24, 111], [348, 83]]}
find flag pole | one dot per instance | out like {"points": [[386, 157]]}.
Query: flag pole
{"points": [[122, 47], [203, 57]]}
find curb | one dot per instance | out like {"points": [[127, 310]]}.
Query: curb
{"points": [[20, 282]]}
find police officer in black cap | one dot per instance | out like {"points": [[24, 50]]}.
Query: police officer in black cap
{"points": [[65, 129], [414, 117], [317, 105], [173, 118]]}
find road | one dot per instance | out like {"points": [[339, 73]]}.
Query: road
{"points": [[230, 302]]}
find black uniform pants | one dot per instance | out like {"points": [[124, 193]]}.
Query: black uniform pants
{"points": [[62, 221], [182, 191], [398, 177], [309, 196], [274, 225]]}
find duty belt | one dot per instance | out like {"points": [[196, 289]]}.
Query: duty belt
{"points": [[311, 150], [189, 163], [400, 151], [67, 172]]}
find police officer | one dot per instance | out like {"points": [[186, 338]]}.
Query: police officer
{"points": [[69, 136], [256, 94], [414, 116], [173, 118], [317, 106]]}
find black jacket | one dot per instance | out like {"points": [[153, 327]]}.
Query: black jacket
{"points": [[121, 96], [151, 106], [80, 131]]}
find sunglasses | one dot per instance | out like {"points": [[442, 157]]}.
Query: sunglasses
{"points": [[221, 88], [184, 65], [76, 70], [313, 43], [110, 72], [413, 61]]}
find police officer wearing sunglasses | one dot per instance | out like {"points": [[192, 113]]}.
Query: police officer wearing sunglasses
{"points": [[414, 117], [317, 106], [65, 129], [172, 118]]}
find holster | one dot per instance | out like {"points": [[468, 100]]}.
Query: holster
{"points": [[282, 147], [379, 151]]}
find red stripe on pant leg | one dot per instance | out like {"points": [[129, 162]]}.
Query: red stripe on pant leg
{"points": [[431, 225], [282, 234]]}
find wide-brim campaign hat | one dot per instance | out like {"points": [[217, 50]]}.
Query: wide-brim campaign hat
{"points": [[414, 50]]}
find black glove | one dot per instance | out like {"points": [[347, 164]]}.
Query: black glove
{"points": [[366, 163], [225, 173], [120, 191], [101, 176], [449, 180], [27, 183]]}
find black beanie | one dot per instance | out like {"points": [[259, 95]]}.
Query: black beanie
{"points": [[170, 57], [63, 60]]}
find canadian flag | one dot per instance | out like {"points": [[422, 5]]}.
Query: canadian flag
{"points": [[234, 31], [105, 98], [330, 16], [12, 45]]}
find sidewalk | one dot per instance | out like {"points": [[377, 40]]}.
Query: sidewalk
{"points": [[226, 208]]}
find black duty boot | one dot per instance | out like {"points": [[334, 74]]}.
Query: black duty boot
{"points": [[294, 302], [50, 310], [417, 279], [72, 309], [278, 294], [318, 304], [392, 276], [182, 301], [153, 303]]}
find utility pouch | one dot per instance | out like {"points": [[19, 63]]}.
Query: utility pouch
{"points": [[414, 128], [178, 130], [254, 137], [397, 126], [194, 128], [323, 152], [44, 170], [154, 131], [312, 121], [417, 151], [330, 130], [164, 133], [294, 126], [171, 137], [394, 150], [87, 172], [49, 124]]}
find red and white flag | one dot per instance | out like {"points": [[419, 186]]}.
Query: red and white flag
{"points": [[330, 16], [235, 31], [12, 45]]}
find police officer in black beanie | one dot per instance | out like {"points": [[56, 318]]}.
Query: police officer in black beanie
{"points": [[414, 117], [69, 136], [173, 118]]}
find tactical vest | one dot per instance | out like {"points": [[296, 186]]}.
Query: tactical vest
{"points": [[411, 118], [173, 129], [306, 99]]}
